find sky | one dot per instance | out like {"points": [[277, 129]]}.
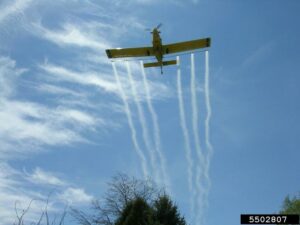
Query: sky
{"points": [[69, 122]]}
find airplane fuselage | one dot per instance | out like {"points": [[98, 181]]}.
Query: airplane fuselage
{"points": [[157, 45]]}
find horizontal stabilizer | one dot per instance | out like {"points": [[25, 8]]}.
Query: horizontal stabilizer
{"points": [[165, 63]]}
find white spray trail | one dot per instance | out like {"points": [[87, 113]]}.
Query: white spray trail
{"points": [[156, 130], [208, 116], [200, 167], [131, 126], [195, 112], [144, 126], [188, 150]]}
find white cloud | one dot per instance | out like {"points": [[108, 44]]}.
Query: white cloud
{"points": [[89, 78], [7, 206], [59, 90], [75, 196], [12, 191], [260, 54], [8, 74], [71, 98], [90, 35], [79, 117], [106, 82], [7, 172], [40, 176], [17, 187], [73, 35], [28, 125], [14, 7], [132, 3]]}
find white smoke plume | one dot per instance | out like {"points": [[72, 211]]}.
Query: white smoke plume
{"points": [[201, 165], [131, 125], [145, 130], [208, 117], [156, 130], [186, 136]]}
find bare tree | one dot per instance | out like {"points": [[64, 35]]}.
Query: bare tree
{"points": [[121, 190], [20, 217], [44, 214]]}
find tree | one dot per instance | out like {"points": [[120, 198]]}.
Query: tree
{"points": [[130, 201], [291, 206], [162, 212], [43, 217], [137, 211], [166, 212], [122, 190]]}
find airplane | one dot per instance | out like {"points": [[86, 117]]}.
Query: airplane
{"points": [[158, 50]]}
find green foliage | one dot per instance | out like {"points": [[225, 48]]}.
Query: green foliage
{"points": [[129, 201], [161, 212], [136, 212], [291, 206], [166, 213]]}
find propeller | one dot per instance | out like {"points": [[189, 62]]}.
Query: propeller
{"points": [[158, 26]]}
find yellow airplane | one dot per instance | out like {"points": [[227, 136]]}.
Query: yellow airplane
{"points": [[158, 50]]}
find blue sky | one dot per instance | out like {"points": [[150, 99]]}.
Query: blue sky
{"points": [[62, 121]]}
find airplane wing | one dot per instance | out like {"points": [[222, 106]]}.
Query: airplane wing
{"points": [[130, 52], [186, 46]]}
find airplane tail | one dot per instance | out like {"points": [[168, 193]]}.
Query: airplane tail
{"points": [[156, 64]]}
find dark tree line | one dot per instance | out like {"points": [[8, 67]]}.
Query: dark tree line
{"points": [[162, 212]]}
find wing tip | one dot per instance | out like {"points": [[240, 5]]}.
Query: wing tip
{"points": [[108, 53], [208, 42]]}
